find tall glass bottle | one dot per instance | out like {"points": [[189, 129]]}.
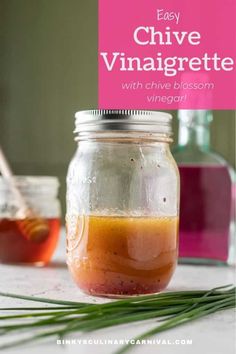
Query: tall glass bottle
{"points": [[207, 227]]}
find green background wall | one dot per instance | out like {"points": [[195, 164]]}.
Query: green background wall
{"points": [[48, 68]]}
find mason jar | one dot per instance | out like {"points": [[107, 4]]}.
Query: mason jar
{"points": [[40, 193], [122, 203]]}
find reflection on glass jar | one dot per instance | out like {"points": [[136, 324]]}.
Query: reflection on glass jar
{"points": [[122, 203], [40, 194]]}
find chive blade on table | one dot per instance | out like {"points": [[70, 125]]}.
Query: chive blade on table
{"points": [[171, 309]]}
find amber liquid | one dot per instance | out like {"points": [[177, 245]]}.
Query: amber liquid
{"points": [[16, 248], [123, 255]]}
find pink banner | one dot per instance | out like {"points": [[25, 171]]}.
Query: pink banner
{"points": [[167, 54]]}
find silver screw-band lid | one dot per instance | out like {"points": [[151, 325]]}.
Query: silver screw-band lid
{"points": [[128, 120]]}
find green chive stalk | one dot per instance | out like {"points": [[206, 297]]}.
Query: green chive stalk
{"points": [[172, 309]]}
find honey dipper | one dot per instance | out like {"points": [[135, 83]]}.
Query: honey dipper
{"points": [[33, 227]]}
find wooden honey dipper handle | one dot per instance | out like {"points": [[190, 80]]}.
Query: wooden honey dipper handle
{"points": [[31, 226]]}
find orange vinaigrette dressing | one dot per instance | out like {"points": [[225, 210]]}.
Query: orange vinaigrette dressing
{"points": [[123, 255]]}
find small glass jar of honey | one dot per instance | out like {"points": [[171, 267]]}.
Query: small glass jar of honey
{"points": [[122, 203], [19, 245]]}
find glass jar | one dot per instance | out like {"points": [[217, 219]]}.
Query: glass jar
{"points": [[207, 217], [40, 194], [122, 203]]}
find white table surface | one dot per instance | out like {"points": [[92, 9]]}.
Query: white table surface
{"points": [[214, 334]]}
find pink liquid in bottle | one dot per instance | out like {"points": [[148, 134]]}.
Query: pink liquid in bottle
{"points": [[205, 211]]}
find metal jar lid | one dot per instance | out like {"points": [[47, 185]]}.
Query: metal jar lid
{"points": [[123, 120]]}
